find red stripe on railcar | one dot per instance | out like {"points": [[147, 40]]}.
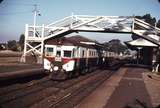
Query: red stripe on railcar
{"points": [[64, 60]]}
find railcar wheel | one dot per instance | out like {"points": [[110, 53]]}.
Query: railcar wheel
{"points": [[76, 73], [89, 70], [69, 75], [82, 72], [58, 76]]}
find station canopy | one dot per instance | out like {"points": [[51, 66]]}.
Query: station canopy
{"points": [[140, 42]]}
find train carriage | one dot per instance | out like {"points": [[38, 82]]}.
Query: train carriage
{"points": [[68, 57]]}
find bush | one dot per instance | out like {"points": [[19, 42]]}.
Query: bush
{"points": [[12, 45]]}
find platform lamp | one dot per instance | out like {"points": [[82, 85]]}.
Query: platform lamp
{"points": [[138, 54]]}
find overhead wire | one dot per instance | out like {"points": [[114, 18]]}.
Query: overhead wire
{"points": [[15, 13], [22, 4], [18, 12]]}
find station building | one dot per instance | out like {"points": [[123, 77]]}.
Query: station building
{"points": [[146, 51]]}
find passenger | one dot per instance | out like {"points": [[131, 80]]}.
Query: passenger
{"points": [[158, 61], [157, 67], [154, 65]]}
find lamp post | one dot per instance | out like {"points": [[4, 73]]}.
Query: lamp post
{"points": [[138, 54]]}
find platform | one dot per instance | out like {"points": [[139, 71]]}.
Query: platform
{"points": [[129, 87]]}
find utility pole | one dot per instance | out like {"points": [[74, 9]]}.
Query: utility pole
{"points": [[35, 11], [28, 47]]}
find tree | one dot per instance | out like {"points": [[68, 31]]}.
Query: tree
{"points": [[158, 24], [21, 42], [147, 18], [2, 46], [12, 45], [115, 46], [1, 1]]}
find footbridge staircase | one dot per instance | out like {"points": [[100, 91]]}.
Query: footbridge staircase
{"points": [[35, 36]]}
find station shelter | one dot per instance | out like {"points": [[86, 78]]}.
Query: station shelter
{"points": [[146, 51]]}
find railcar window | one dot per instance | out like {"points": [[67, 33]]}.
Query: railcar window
{"points": [[67, 53], [74, 53], [49, 51], [58, 53], [83, 53]]}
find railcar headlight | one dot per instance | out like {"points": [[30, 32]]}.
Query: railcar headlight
{"points": [[48, 64], [55, 68], [52, 65], [51, 70]]}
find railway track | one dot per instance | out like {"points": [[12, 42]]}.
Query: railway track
{"points": [[21, 85], [25, 91], [65, 95], [47, 93], [76, 95]]}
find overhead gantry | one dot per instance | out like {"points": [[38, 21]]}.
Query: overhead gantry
{"points": [[35, 36]]}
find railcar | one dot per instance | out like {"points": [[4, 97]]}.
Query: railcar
{"points": [[72, 56]]}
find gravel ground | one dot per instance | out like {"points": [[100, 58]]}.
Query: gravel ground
{"points": [[12, 67], [9, 53], [45, 93]]}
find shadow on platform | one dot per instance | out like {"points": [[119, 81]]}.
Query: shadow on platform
{"points": [[138, 66]]}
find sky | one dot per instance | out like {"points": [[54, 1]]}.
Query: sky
{"points": [[14, 14]]}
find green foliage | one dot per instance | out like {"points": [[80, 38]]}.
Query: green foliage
{"points": [[147, 18], [16, 46], [1, 1], [12, 45], [3, 46], [116, 46], [21, 42], [158, 24]]}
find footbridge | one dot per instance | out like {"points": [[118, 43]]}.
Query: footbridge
{"points": [[35, 36]]}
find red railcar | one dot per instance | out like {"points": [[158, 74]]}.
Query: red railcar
{"points": [[71, 56]]}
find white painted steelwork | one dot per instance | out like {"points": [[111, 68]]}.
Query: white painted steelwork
{"points": [[35, 36]]}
